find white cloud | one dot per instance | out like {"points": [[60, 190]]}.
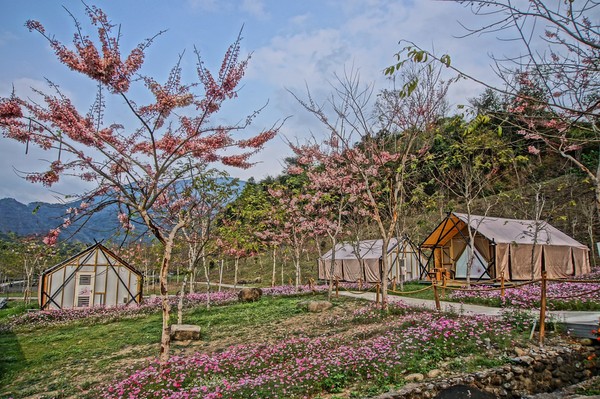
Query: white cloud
{"points": [[206, 5], [255, 8], [299, 20]]}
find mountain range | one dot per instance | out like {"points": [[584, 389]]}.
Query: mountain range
{"points": [[38, 218]]}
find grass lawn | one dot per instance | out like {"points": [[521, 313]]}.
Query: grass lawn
{"points": [[73, 360], [64, 360]]}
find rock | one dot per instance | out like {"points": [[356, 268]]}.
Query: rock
{"points": [[414, 377], [249, 294], [524, 359], [520, 352], [538, 366], [318, 306], [185, 332], [586, 342], [464, 392], [302, 305], [434, 373], [496, 380]]}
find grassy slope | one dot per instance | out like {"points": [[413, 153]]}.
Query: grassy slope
{"points": [[63, 360]]}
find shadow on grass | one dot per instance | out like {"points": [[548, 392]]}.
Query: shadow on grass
{"points": [[12, 359]]}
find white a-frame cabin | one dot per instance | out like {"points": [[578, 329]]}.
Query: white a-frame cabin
{"points": [[93, 277]]}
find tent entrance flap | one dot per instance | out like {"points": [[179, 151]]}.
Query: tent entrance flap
{"points": [[478, 268]]}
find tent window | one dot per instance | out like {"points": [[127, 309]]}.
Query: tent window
{"points": [[85, 279], [83, 302]]}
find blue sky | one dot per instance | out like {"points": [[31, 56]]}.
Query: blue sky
{"points": [[294, 45]]}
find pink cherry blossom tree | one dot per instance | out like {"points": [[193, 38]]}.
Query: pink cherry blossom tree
{"points": [[296, 224], [333, 190], [392, 134], [140, 164]]}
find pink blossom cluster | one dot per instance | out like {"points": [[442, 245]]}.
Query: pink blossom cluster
{"points": [[301, 367]]}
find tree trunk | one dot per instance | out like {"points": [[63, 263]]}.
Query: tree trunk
{"points": [[332, 267], [274, 266], [207, 276], [165, 340], [235, 271], [221, 274], [385, 270], [27, 291], [297, 255], [180, 303], [590, 229]]}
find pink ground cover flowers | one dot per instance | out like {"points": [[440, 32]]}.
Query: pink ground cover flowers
{"points": [[302, 367], [560, 296], [102, 314]]}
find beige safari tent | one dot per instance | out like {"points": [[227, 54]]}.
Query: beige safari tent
{"points": [[518, 249], [94, 277], [361, 260]]}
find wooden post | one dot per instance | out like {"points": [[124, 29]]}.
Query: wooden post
{"points": [[394, 284], [377, 294], [436, 295], [502, 284], [543, 309], [444, 284], [337, 288], [360, 284]]}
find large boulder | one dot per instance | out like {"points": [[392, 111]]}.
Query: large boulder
{"points": [[249, 294], [185, 332]]}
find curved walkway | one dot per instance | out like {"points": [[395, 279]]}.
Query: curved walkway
{"points": [[581, 322]]}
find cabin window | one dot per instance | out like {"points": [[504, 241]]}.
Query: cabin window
{"points": [[85, 279]]}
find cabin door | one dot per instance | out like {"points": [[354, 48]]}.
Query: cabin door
{"points": [[84, 290]]}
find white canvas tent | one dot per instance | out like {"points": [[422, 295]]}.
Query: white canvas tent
{"points": [[95, 276], [520, 249], [362, 261]]}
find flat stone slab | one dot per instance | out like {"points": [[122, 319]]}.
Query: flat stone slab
{"points": [[185, 332]]}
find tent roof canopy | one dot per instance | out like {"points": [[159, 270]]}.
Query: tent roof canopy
{"points": [[367, 249], [87, 252], [500, 230]]}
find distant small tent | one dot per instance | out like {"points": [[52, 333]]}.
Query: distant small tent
{"points": [[503, 246], [94, 277], [361, 260]]}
